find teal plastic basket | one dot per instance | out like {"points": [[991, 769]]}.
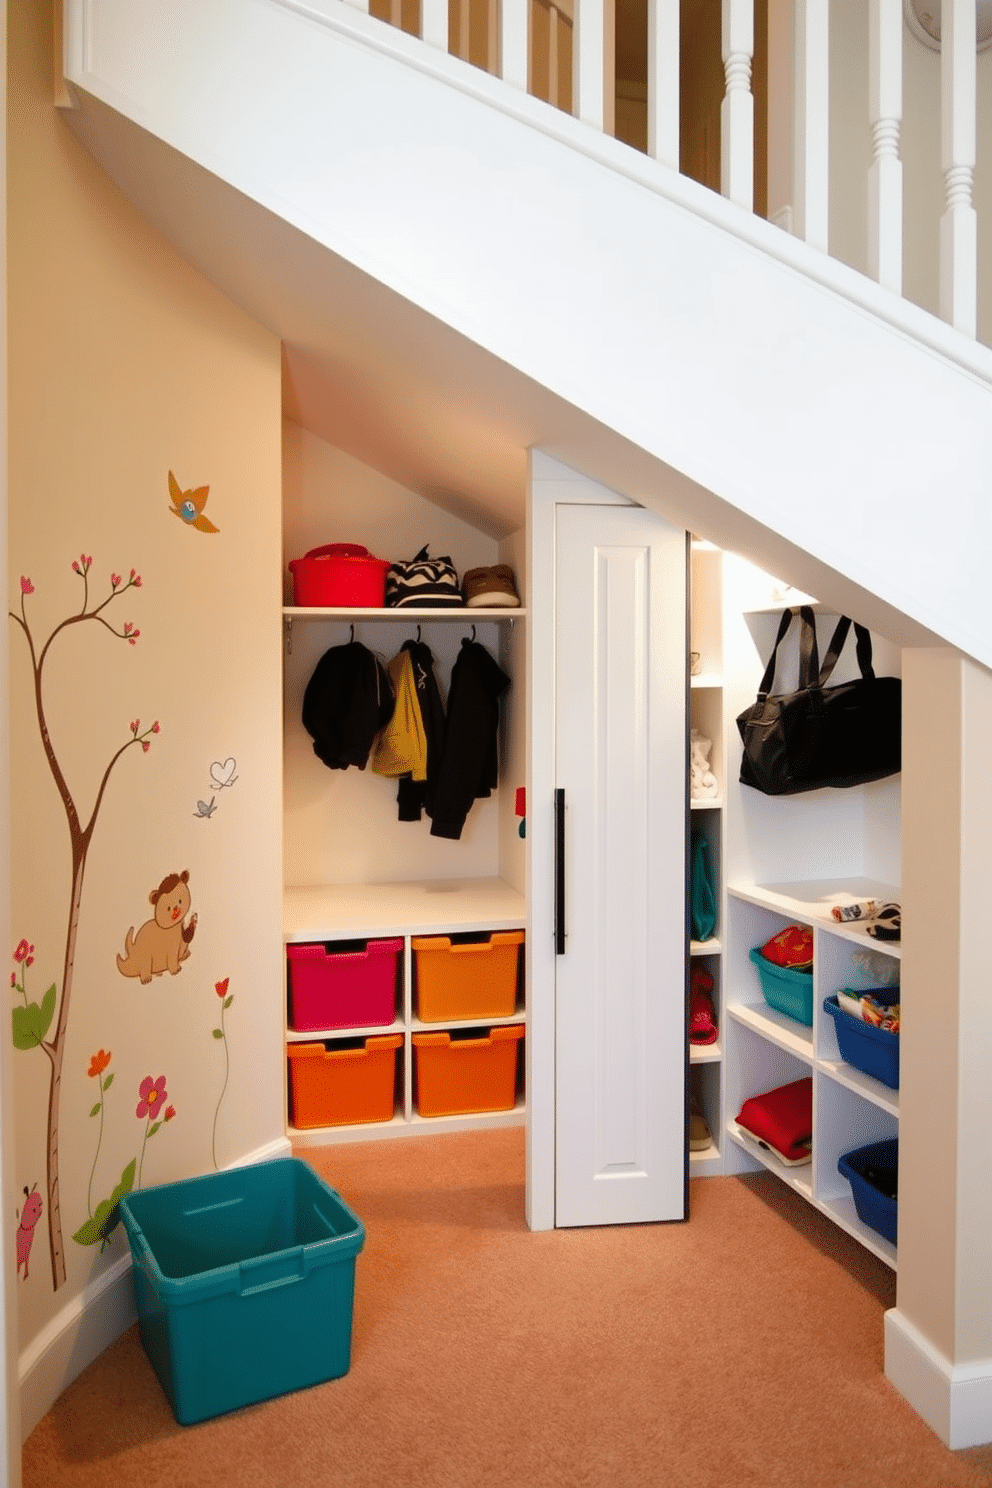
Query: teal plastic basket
{"points": [[785, 989], [244, 1284]]}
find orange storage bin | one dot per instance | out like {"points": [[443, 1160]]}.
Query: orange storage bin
{"points": [[457, 1076], [338, 1087], [474, 980]]}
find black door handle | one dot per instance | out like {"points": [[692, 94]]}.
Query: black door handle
{"points": [[559, 872]]}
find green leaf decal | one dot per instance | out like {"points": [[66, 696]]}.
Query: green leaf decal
{"points": [[90, 1232], [108, 1082], [218, 1033], [127, 1182], [229, 1000], [27, 1026], [153, 1129], [96, 1109], [47, 1010], [107, 1215]]}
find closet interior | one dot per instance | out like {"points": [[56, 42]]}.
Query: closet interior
{"points": [[377, 895]]}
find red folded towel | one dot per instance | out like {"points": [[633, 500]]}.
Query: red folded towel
{"points": [[782, 1118]]}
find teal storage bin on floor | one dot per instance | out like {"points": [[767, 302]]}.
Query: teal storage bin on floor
{"points": [[244, 1284]]}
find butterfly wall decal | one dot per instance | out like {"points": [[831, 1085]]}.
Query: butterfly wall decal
{"points": [[188, 505]]}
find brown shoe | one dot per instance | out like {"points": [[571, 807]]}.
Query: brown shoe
{"points": [[490, 588]]}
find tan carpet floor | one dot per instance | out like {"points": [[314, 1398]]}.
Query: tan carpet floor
{"points": [[743, 1348]]}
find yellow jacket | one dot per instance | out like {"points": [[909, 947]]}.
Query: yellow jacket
{"points": [[401, 747]]}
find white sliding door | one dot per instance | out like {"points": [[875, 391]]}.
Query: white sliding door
{"points": [[620, 770]]}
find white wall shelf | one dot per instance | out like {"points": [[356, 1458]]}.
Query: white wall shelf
{"points": [[427, 907]]}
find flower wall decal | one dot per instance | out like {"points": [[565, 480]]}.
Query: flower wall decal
{"points": [[152, 1110], [221, 1033], [105, 1218]]}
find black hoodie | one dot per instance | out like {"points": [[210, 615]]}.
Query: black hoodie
{"points": [[469, 762], [348, 699]]}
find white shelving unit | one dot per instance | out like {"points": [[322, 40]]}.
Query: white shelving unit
{"points": [[789, 860], [850, 1108], [706, 816], [369, 907]]}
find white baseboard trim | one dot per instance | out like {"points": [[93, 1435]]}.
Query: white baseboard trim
{"points": [[89, 1323], [954, 1400]]}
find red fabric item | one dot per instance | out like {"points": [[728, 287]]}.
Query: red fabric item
{"points": [[702, 1015], [782, 1117], [792, 947]]}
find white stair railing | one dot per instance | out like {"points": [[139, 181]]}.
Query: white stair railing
{"points": [[575, 69]]}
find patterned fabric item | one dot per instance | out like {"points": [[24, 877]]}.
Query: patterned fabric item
{"points": [[792, 947], [886, 923], [423, 583]]}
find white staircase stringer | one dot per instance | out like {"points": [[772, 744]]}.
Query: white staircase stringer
{"points": [[752, 388]]}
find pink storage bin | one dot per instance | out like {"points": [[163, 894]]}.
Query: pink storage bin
{"points": [[350, 985]]}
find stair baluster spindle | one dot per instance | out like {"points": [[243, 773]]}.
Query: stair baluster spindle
{"points": [[434, 22], [959, 224], [737, 109], [811, 151], [885, 172], [513, 43], [664, 81], [592, 64]]}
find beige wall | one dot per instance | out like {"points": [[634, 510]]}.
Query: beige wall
{"points": [[124, 365]]}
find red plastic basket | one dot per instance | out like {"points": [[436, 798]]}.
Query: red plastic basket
{"points": [[340, 575]]}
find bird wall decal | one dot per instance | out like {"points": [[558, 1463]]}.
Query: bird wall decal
{"points": [[188, 505]]}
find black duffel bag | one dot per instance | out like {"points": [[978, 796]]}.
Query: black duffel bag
{"points": [[820, 735]]}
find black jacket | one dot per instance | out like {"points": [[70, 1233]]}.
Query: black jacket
{"points": [[348, 699], [469, 764]]}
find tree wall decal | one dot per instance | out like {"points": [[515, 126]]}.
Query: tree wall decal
{"points": [[32, 1023]]}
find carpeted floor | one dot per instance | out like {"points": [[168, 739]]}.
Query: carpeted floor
{"points": [[743, 1348]]}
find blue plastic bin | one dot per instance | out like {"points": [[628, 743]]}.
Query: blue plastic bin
{"points": [[244, 1284], [786, 990], [875, 1051], [877, 1160]]}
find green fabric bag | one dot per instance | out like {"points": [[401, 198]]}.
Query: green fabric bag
{"points": [[702, 892]]}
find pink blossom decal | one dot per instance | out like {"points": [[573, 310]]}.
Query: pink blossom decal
{"points": [[152, 1096]]}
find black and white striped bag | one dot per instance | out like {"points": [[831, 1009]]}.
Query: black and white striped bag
{"points": [[424, 583]]}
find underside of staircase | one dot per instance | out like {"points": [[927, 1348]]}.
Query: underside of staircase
{"points": [[460, 273]]}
